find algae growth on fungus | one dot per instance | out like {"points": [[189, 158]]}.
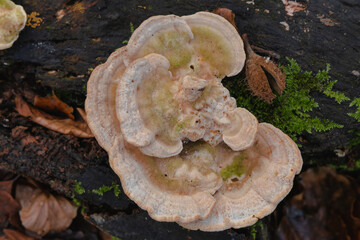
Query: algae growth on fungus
{"points": [[235, 169]]}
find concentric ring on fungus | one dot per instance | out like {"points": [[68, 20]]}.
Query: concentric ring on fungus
{"points": [[182, 149]]}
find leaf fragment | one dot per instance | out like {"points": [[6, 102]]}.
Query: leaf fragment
{"points": [[64, 126], [14, 235], [53, 104], [41, 211], [259, 83], [8, 208], [227, 14]]}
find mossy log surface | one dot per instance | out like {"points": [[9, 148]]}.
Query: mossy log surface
{"points": [[73, 37]]}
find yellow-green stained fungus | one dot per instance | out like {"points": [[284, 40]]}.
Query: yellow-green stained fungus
{"points": [[183, 124], [172, 45], [213, 48], [235, 169], [157, 103]]}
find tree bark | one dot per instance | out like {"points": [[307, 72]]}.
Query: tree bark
{"points": [[76, 36]]}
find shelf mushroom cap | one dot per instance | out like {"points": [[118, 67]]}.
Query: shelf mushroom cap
{"points": [[152, 69], [100, 102], [274, 161], [203, 43], [12, 21], [172, 189], [192, 53], [161, 90], [240, 134]]}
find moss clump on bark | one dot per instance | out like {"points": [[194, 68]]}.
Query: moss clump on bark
{"points": [[291, 112]]}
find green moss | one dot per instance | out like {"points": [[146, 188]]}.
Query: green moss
{"points": [[115, 238], [116, 189], [355, 140], [76, 201], [291, 112], [355, 167], [339, 97], [114, 186], [132, 29], [101, 190], [236, 168], [356, 114], [78, 188], [253, 229]]}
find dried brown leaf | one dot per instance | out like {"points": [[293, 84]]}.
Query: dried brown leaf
{"points": [[6, 175], [65, 126], [8, 207], [258, 82], [53, 104], [227, 14], [326, 208], [6, 186], [15, 235], [42, 212]]}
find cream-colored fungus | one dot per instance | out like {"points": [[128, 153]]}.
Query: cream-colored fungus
{"points": [[182, 149]]}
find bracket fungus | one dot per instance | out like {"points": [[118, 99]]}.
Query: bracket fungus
{"points": [[182, 149], [12, 21]]}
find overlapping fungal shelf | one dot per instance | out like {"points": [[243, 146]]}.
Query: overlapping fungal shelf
{"points": [[182, 148]]}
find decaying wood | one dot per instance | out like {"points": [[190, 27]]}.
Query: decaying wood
{"points": [[65, 40]]}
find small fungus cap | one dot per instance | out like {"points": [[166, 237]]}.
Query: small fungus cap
{"points": [[12, 21], [240, 134], [151, 68], [190, 41]]}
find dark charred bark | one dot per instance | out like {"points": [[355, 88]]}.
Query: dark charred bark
{"points": [[76, 36]]}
